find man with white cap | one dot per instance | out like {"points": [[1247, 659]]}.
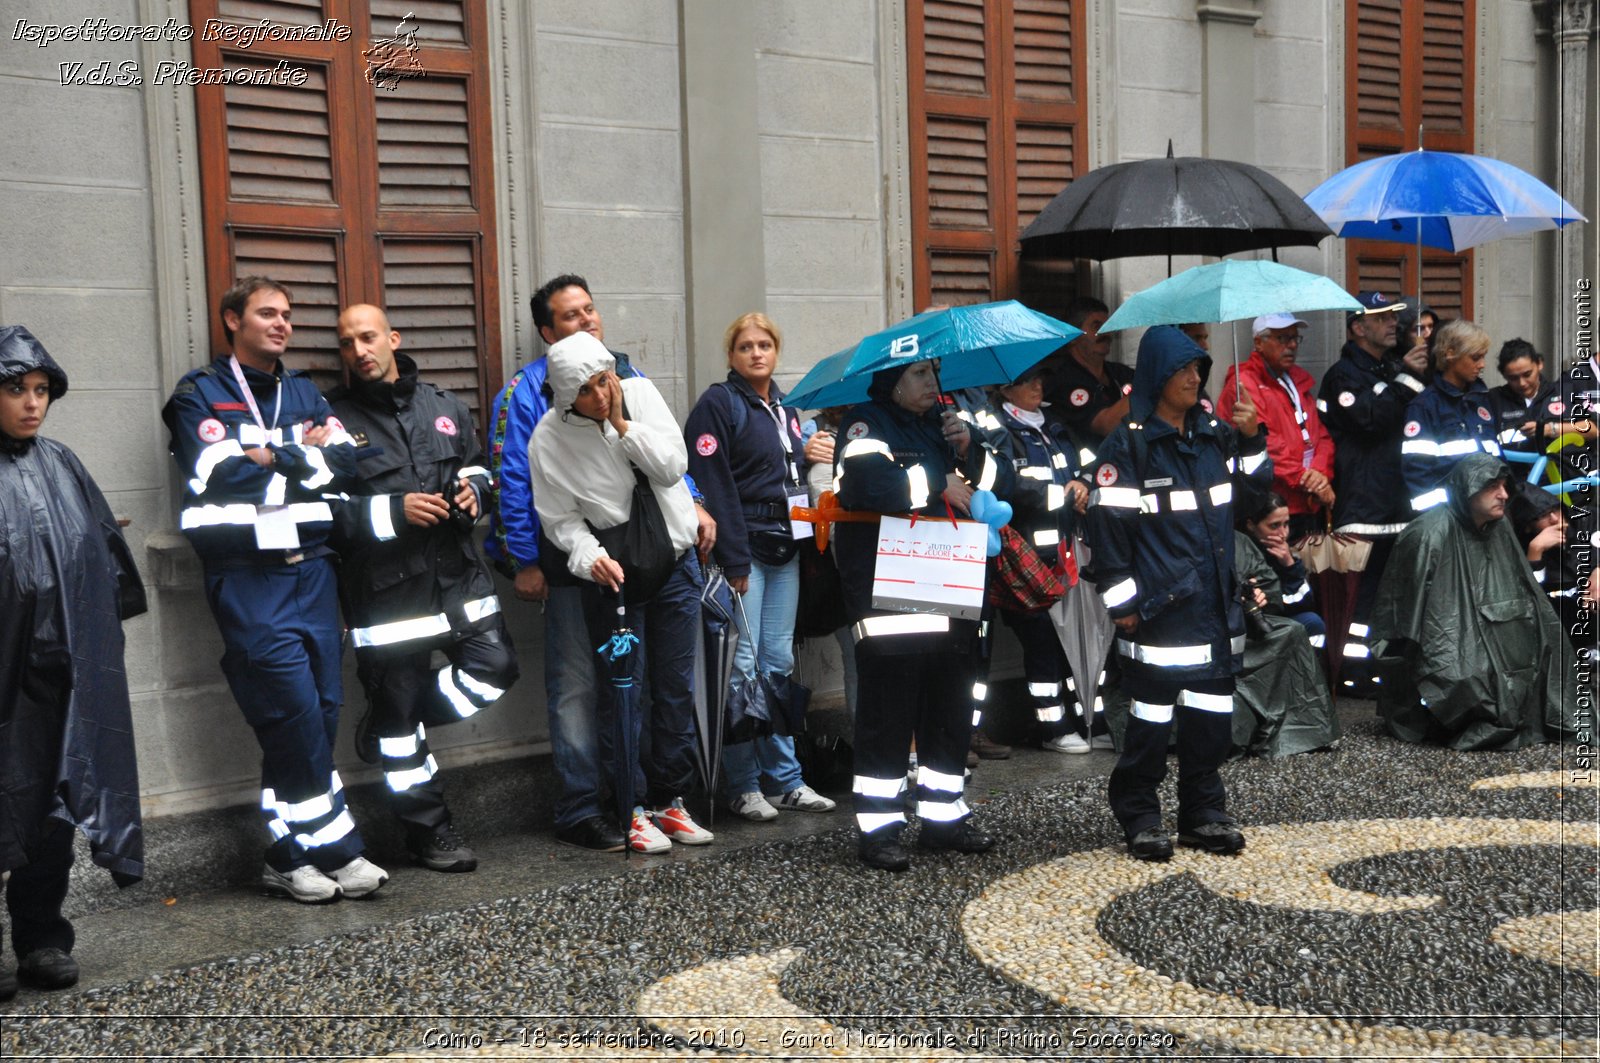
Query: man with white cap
{"points": [[1363, 402], [1285, 397]]}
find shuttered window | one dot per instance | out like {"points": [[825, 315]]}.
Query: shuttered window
{"points": [[1409, 64], [353, 191], [995, 119]]}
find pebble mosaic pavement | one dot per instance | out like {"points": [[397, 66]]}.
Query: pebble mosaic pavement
{"points": [[1394, 902]]}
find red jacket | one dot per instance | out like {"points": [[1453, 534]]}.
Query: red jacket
{"points": [[1285, 442]]}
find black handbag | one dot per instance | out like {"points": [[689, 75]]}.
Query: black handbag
{"points": [[641, 544]]}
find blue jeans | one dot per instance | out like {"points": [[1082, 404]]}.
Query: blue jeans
{"points": [[770, 605], [580, 729]]}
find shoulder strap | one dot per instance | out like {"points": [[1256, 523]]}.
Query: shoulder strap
{"points": [[741, 408], [1139, 450]]}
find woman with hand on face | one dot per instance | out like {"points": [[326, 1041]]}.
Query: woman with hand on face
{"points": [[582, 461], [67, 758], [1268, 526], [747, 458], [1450, 418], [898, 454]]}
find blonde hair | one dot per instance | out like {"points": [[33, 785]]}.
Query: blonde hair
{"points": [[754, 319], [1458, 338]]}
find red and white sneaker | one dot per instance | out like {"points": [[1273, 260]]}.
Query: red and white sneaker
{"points": [[676, 823], [643, 837]]}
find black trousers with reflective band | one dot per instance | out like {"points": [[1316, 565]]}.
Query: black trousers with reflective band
{"points": [[901, 697], [1203, 740]]}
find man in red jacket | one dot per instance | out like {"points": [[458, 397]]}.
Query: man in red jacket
{"points": [[1285, 396]]}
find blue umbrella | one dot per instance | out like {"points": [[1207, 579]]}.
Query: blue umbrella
{"points": [[1229, 291], [988, 343], [1439, 198], [618, 652]]}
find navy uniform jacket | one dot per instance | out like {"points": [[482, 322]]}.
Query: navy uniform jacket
{"points": [[1163, 542], [210, 427], [1443, 425], [405, 586], [742, 469], [1363, 405], [1511, 412], [890, 460], [1077, 396], [1045, 463]]}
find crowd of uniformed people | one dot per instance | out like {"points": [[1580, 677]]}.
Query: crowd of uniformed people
{"points": [[1183, 501]]}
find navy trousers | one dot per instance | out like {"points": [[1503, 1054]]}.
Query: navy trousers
{"points": [[1203, 713]]}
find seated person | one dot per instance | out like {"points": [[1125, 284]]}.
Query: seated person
{"points": [[1267, 524], [1476, 657], [1281, 705], [1561, 559]]}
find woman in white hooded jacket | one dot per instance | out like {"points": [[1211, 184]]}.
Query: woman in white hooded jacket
{"points": [[581, 461]]}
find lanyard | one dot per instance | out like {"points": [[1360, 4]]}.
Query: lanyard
{"points": [[250, 398], [775, 411]]}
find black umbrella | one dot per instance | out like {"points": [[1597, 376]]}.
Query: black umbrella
{"points": [[716, 640], [749, 711], [1186, 206], [618, 653]]}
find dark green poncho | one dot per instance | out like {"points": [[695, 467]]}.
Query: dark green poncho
{"points": [[1476, 656]]}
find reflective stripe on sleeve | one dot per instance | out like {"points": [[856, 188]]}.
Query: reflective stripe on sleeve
{"points": [[857, 447], [1059, 461], [1457, 447], [1356, 649], [902, 624], [242, 513], [320, 473], [1055, 496], [1119, 593], [917, 480], [381, 517], [209, 459], [1118, 497], [990, 472], [470, 471], [1297, 596], [1319, 641], [277, 490], [1420, 446], [1086, 457], [1322, 406], [1408, 380], [1251, 462], [1037, 472], [1221, 494], [1047, 537], [980, 691]]}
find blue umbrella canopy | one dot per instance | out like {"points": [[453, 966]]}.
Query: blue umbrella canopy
{"points": [[1229, 291], [1442, 199], [988, 343]]}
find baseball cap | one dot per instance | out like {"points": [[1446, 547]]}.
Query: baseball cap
{"points": [[1375, 303], [1268, 322]]}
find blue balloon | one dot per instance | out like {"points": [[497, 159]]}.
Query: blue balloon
{"points": [[993, 512]]}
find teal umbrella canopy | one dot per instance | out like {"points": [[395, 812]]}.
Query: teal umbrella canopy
{"points": [[1230, 291], [988, 343]]}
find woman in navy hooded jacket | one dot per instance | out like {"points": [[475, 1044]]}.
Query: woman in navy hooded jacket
{"points": [[1161, 525], [1453, 417], [746, 456]]}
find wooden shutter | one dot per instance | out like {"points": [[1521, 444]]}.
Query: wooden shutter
{"points": [[994, 127], [352, 192], [1409, 64]]}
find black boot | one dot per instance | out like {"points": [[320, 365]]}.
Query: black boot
{"points": [[961, 837], [882, 849]]}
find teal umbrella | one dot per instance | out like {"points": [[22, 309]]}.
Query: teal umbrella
{"points": [[988, 343], [1231, 290]]}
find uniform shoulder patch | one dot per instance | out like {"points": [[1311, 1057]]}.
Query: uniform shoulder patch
{"points": [[706, 445], [442, 424], [857, 430], [1205, 404], [1080, 396], [1347, 398], [211, 430], [1106, 475], [1557, 407], [338, 426], [1412, 428], [1483, 412]]}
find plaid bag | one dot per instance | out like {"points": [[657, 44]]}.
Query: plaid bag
{"points": [[1022, 582]]}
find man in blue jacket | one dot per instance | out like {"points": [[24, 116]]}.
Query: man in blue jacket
{"points": [[561, 307], [264, 460], [1161, 524]]}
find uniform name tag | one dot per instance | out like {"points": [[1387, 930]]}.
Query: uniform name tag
{"points": [[275, 529], [1164, 481], [799, 529]]}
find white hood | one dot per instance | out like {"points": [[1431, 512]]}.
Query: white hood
{"points": [[571, 362]]}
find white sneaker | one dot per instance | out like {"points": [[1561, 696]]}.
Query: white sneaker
{"points": [[804, 799], [644, 836], [1071, 742], [753, 806], [675, 822], [304, 884], [1102, 742], [359, 878]]}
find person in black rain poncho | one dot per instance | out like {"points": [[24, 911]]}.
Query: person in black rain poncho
{"points": [[66, 731], [1483, 661], [1161, 526]]}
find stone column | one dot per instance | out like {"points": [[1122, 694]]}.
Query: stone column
{"points": [[1572, 25], [1228, 78], [725, 270]]}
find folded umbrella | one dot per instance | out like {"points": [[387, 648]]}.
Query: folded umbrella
{"points": [[716, 640], [618, 651]]}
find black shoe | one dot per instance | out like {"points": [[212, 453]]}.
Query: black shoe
{"points": [[883, 851], [596, 833], [1223, 839], [48, 969], [442, 850], [8, 984], [366, 741], [1152, 845], [960, 836]]}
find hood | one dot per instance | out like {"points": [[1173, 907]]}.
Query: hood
{"points": [[1162, 352], [881, 386], [1469, 476], [571, 362], [21, 353]]}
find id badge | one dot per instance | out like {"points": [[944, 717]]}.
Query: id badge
{"points": [[800, 529], [276, 529]]}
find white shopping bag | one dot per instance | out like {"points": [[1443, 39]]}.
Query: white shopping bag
{"points": [[934, 565]]}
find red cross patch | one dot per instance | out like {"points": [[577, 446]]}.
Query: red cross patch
{"points": [[1557, 407], [1205, 404], [445, 425], [706, 445], [333, 424], [857, 430], [1484, 413], [1347, 398], [1080, 396], [211, 430], [1106, 476], [1412, 428]]}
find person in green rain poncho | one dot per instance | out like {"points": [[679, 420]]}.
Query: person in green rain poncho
{"points": [[1476, 656]]}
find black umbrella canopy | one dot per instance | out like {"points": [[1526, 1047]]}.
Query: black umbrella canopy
{"points": [[1183, 206]]}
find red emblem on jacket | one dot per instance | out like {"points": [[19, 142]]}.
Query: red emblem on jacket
{"points": [[1412, 428], [1106, 476], [1557, 407], [1080, 396], [1483, 412], [445, 425], [211, 430], [706, 445]]}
